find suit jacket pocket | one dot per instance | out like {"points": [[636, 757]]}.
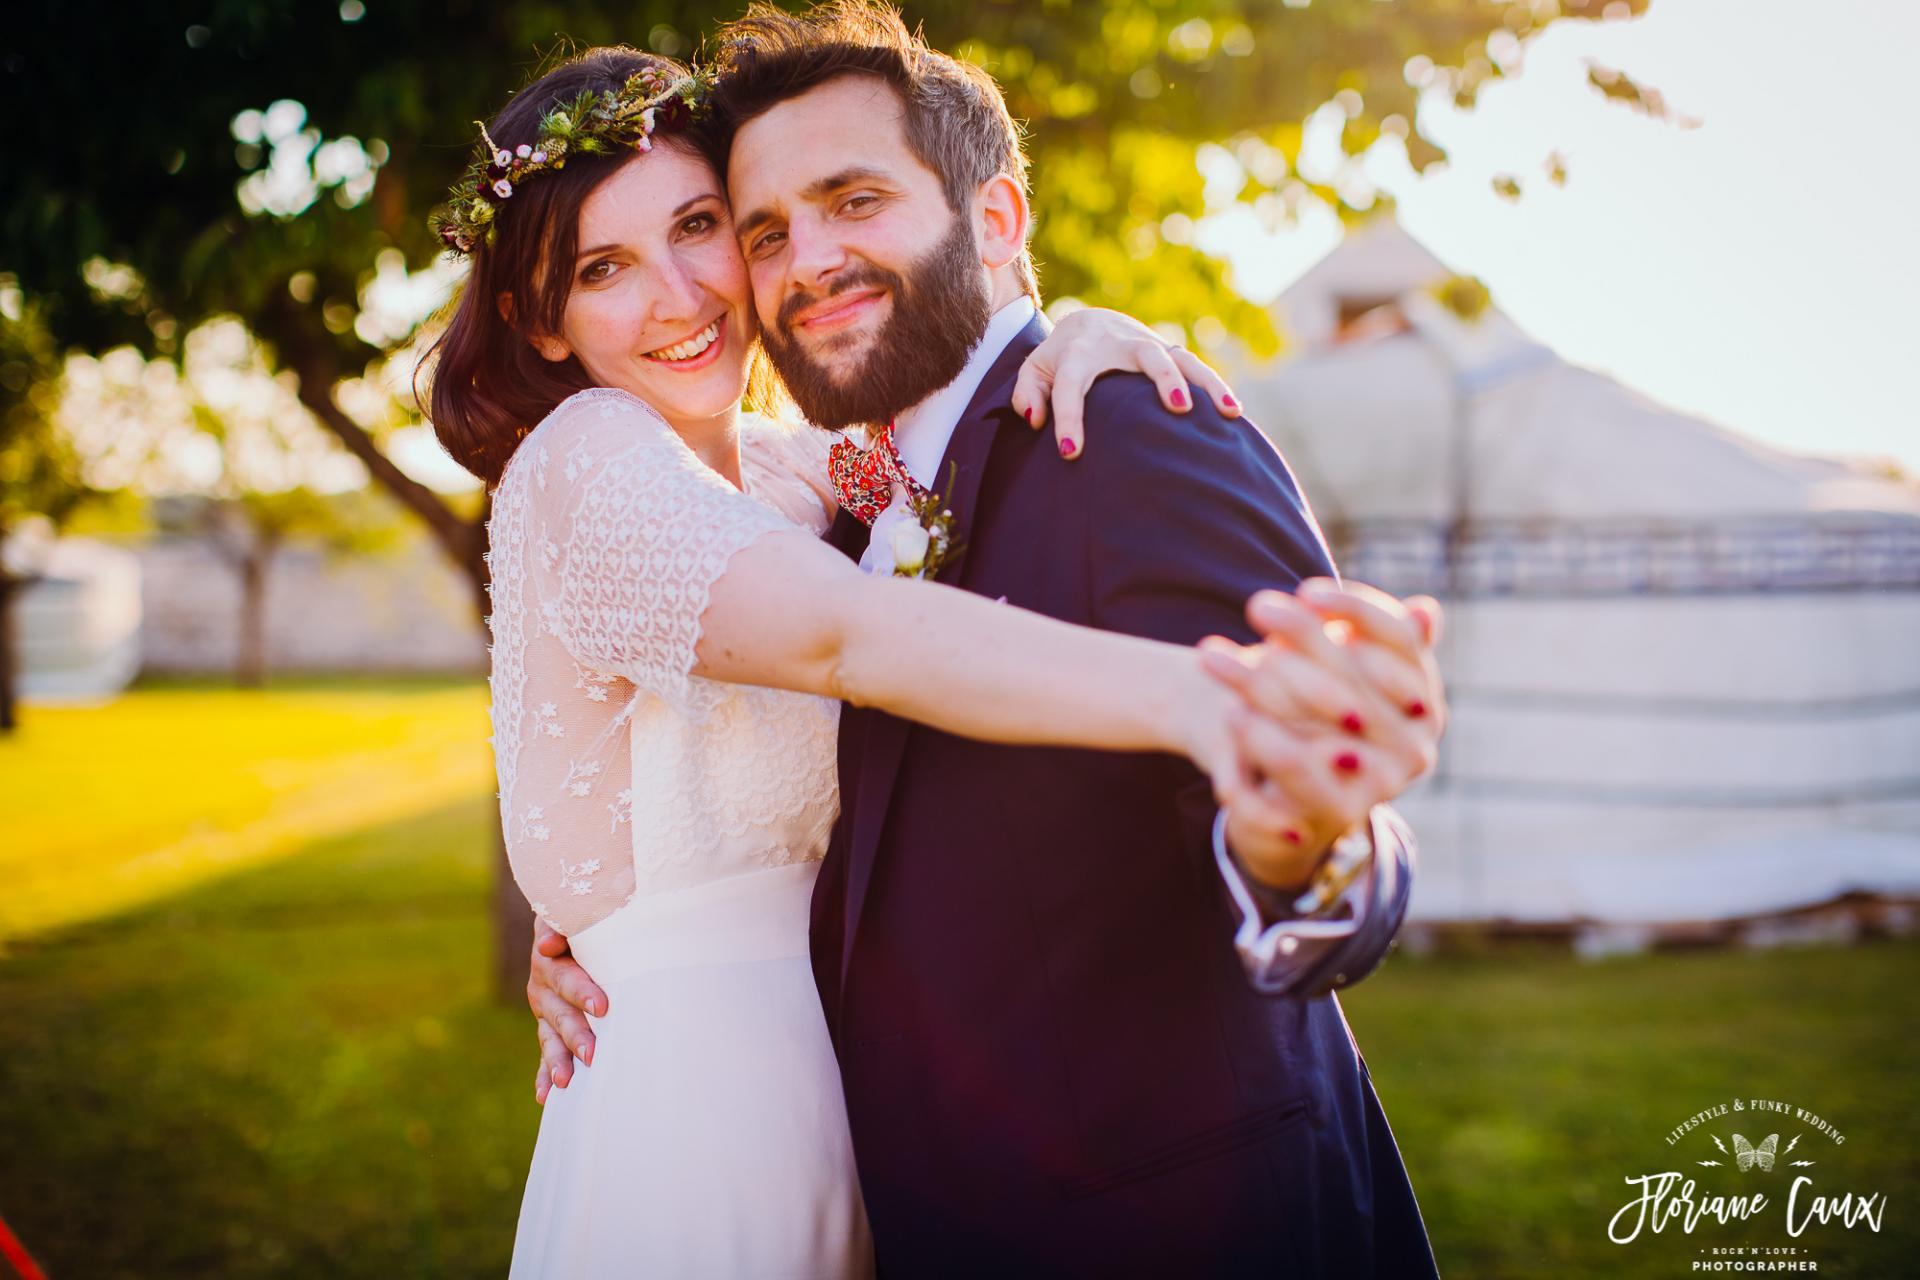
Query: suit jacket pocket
{"points": [[1208, 1144]]}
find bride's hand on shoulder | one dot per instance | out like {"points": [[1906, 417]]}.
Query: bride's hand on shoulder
{"points": [[1091, 341]]}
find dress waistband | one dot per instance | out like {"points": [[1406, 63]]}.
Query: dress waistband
{"points": [[759, 916]]}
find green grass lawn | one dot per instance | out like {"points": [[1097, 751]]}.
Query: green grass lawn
{"points": [[284, 1061], [109, 807]]}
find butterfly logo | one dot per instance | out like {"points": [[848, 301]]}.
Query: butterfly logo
{"points": [[1747, 1155]]}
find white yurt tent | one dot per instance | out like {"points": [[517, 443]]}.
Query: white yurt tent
{"points": [[1684, 667]]}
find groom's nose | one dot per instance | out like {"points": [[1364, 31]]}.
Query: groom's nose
{"points": [[814, 254]]}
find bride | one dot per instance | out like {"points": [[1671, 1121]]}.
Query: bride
{"points": [[671, 644]]}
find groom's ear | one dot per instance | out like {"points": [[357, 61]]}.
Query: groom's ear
{"points": [[1001, 208]]}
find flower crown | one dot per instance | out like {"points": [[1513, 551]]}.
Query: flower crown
{"points": [[595, 123]]}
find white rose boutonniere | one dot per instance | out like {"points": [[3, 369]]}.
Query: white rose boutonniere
{"points": [[910, 543], [921, 548]]}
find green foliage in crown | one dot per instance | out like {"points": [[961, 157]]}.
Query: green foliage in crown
{"points": [[594, 123]]}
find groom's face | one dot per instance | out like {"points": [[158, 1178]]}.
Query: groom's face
{"points": [[871, 290]]}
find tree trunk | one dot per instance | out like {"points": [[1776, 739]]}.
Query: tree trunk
{"points": [[512, 914], [512, 927], [318, 365], [250, 664], [9, 662]]}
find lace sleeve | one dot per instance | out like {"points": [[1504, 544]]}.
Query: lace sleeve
{"points": [[632, 530], [607, 535]]}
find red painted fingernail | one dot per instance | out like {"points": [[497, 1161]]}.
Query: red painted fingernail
{"points": [[1347, 762], [1293, 837], [1068, 448], [1179, 398], [1028, 415], [1416, 709], [1229, 402], [1352, 724]]}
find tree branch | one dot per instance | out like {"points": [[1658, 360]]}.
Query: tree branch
{"points": [[317, 367]]}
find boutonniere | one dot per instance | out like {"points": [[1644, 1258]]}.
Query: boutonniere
{"points": [[922, 548]]}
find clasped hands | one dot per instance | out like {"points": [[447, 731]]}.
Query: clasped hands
{"points": [[1341, 708]]}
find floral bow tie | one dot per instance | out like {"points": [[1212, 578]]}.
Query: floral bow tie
{"points": [[864, 478]]}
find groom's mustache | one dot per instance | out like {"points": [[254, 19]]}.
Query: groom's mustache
{"points": [[866, 276]]}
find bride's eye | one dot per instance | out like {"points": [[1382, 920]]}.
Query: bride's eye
{"points": [[596, 272], [698, 223]]}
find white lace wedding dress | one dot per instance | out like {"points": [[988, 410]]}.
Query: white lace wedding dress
{"points": [[672, 827]]}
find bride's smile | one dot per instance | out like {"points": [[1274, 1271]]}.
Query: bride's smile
{"points": [[686, 356]]}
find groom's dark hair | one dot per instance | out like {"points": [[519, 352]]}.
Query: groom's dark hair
{"points": [[956, 120]]}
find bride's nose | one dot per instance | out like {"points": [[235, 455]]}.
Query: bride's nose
{"points": [[677, 296]]}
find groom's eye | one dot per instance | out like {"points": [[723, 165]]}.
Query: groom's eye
{"points": [[764, 243], [858, 204]]}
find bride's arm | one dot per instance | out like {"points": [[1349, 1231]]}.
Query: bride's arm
{"points": [[649, 566], [792, 613], [1091, 341]]}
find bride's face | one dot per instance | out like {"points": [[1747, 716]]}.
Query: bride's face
{"points": [[660, 304]]}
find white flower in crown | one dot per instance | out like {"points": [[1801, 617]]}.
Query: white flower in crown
{"points": [[524, 150], [910, 542], [503, 157], [503, 188]]}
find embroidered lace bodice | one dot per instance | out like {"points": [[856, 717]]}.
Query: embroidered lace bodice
{"points": [[620, 772]]}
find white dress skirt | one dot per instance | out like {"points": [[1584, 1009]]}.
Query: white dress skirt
{"points": [[671, 827], [709, 1137]]}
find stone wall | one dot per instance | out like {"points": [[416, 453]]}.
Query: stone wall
{"points": [[405, 610]]}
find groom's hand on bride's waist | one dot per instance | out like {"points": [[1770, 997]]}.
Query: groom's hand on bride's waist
{"points": [[560, 993]]}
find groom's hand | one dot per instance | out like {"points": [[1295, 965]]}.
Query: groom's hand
{"points": [[558, 989], [1344, 708]]}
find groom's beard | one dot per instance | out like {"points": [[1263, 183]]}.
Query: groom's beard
{"points": [[940, 310]]}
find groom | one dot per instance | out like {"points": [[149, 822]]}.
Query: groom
{"points": [[1054, 1061]]}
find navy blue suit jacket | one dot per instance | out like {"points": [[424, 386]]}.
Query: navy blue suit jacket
{"points": [[1054, 1063]]}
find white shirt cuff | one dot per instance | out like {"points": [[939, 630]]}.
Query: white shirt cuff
{"points": [[1271, 950]]}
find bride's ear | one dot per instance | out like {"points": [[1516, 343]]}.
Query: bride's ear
{"points": [[550, 347]]}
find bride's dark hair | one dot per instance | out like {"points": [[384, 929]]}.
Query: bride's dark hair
{"points": [[488, 386]]}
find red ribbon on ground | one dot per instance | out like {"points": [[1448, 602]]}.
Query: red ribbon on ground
{"points": [[17, 1255]]}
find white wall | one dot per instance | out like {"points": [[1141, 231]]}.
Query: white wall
{"points": [[1673, 758], [405, 611]]}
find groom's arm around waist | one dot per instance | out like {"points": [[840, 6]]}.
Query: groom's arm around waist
{"points": [[1187, 516]]}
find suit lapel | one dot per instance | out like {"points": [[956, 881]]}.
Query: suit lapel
{"points": [[848, 536], [963, 467]]}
